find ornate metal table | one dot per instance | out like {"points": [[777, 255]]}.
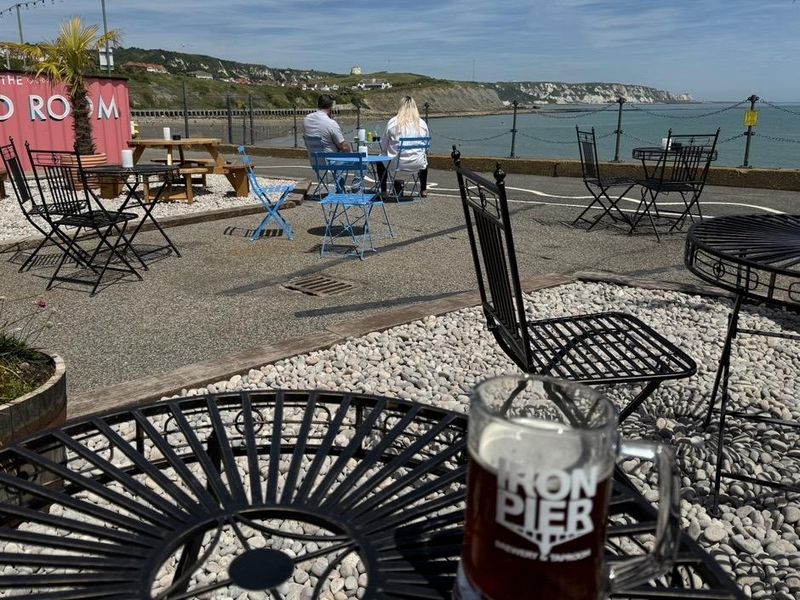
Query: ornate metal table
{"points": [[277, 494], [757, 257]]}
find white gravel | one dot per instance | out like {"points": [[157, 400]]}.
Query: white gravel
{"points": [[218, 194], [756, 535]]}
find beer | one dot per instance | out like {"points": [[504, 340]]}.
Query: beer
{"points": [[536, 516]]}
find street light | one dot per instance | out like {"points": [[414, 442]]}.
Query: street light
{"points": [[105, 32]]}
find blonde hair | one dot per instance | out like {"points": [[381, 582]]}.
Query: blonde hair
{"points": [[408, 117]]}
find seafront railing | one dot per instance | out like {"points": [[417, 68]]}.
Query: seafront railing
{"points": [[242, 121]]}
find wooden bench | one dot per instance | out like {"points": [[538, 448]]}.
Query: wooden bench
{"points": [[237, 175], [182, 191]]}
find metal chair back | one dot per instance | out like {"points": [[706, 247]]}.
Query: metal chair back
{"points": [[587, 147], [19, 182], [348, 169], [688, 159], [492, 243], [60, 181]]}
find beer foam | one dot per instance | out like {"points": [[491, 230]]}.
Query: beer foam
{"points": [[535, 444]]}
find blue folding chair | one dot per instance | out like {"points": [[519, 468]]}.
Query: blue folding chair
{"points": [[407, 145], [263, 193], [349, 208], [316, 157]]}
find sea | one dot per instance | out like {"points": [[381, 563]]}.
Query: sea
{"points": [[550, 132]]}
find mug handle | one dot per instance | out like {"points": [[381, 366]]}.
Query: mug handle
{"points": [[641, 569]]}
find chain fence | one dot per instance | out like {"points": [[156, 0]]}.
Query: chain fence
{"points": [[653, 113], [249, 119]]}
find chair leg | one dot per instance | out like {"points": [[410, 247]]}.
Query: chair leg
{"points": [[72, 242], [648, 389]]}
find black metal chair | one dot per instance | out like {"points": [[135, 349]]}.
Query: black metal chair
{"points": [[682, 169], [599, 185], [32, 207], [599, 348], [69, 206]]}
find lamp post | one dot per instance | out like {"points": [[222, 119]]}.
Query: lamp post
{"points": [[105, 32]]}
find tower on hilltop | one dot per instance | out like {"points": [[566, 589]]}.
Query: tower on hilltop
{"points": [[356, 70]]}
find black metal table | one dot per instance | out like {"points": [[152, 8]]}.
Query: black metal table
{"points": [[283, 491], [133, 179], [757, 257]]}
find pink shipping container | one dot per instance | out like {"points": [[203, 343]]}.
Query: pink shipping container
{"points": [[36, 111]]}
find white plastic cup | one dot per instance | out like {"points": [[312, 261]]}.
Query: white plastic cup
{"points": [[167, 133], [362, 135], [364, 150], [127, 159]]}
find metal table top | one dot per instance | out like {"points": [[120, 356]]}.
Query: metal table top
{"points": [[211, 496], [141, 170], [755, 255]]}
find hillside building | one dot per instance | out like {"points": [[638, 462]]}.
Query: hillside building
{"points": [[145, 67], [201, 75]]}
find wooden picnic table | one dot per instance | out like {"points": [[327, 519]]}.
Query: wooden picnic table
{"points": [[236, 174]]}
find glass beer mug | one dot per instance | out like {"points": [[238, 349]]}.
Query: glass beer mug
{"points": [[542, 456]]}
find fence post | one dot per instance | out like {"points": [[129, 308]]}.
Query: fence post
{"points": [[244, 127], [230, 119], [185, 112], [515, 104], [294, 111], [252, 129], [427, 107], [618, 131], [749, 133], [358, 115]]}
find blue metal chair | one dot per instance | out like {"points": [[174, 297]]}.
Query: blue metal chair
{"points": [[263, 193], [350, 206], [407, 145], [316, 157]]}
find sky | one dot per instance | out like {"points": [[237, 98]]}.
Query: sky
{"points": [[711, 49]]}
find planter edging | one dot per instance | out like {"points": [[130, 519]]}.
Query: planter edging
{"points": [[39, 410]]}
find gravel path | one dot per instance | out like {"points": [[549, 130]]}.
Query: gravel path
{"points": [[218, 194], [438, 360]]}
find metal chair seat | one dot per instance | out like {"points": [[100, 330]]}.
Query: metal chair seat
{"points": [[95, 218], [667, 186], [609, 347]]}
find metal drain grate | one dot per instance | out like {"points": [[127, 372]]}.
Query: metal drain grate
{"points": [[319, 285]]}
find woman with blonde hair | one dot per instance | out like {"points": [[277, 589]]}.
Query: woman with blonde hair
{"points": [[405, 124]]}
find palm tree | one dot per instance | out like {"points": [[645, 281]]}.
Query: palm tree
{"points": [[67, 60]]}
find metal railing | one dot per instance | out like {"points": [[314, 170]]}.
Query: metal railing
{"points": [[240, 115]]}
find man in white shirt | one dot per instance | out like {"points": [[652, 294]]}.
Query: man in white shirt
{"points": [[322, 125]]}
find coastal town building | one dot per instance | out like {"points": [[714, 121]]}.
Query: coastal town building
{"points": [[144, 67], [356, 70], [201, 75], [372, 85]]}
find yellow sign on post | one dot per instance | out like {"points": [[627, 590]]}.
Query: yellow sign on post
{"points": [[750, 118]]}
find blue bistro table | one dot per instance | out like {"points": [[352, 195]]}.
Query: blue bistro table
{"points": [[372, 160], [225, 493]]}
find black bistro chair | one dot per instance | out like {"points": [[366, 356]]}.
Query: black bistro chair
{"points": [[598, 184], [600, 348], [32, 206], [71, 208], [682, 170]]}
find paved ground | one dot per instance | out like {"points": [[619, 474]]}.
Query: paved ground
{"points": [[226, 293]]}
